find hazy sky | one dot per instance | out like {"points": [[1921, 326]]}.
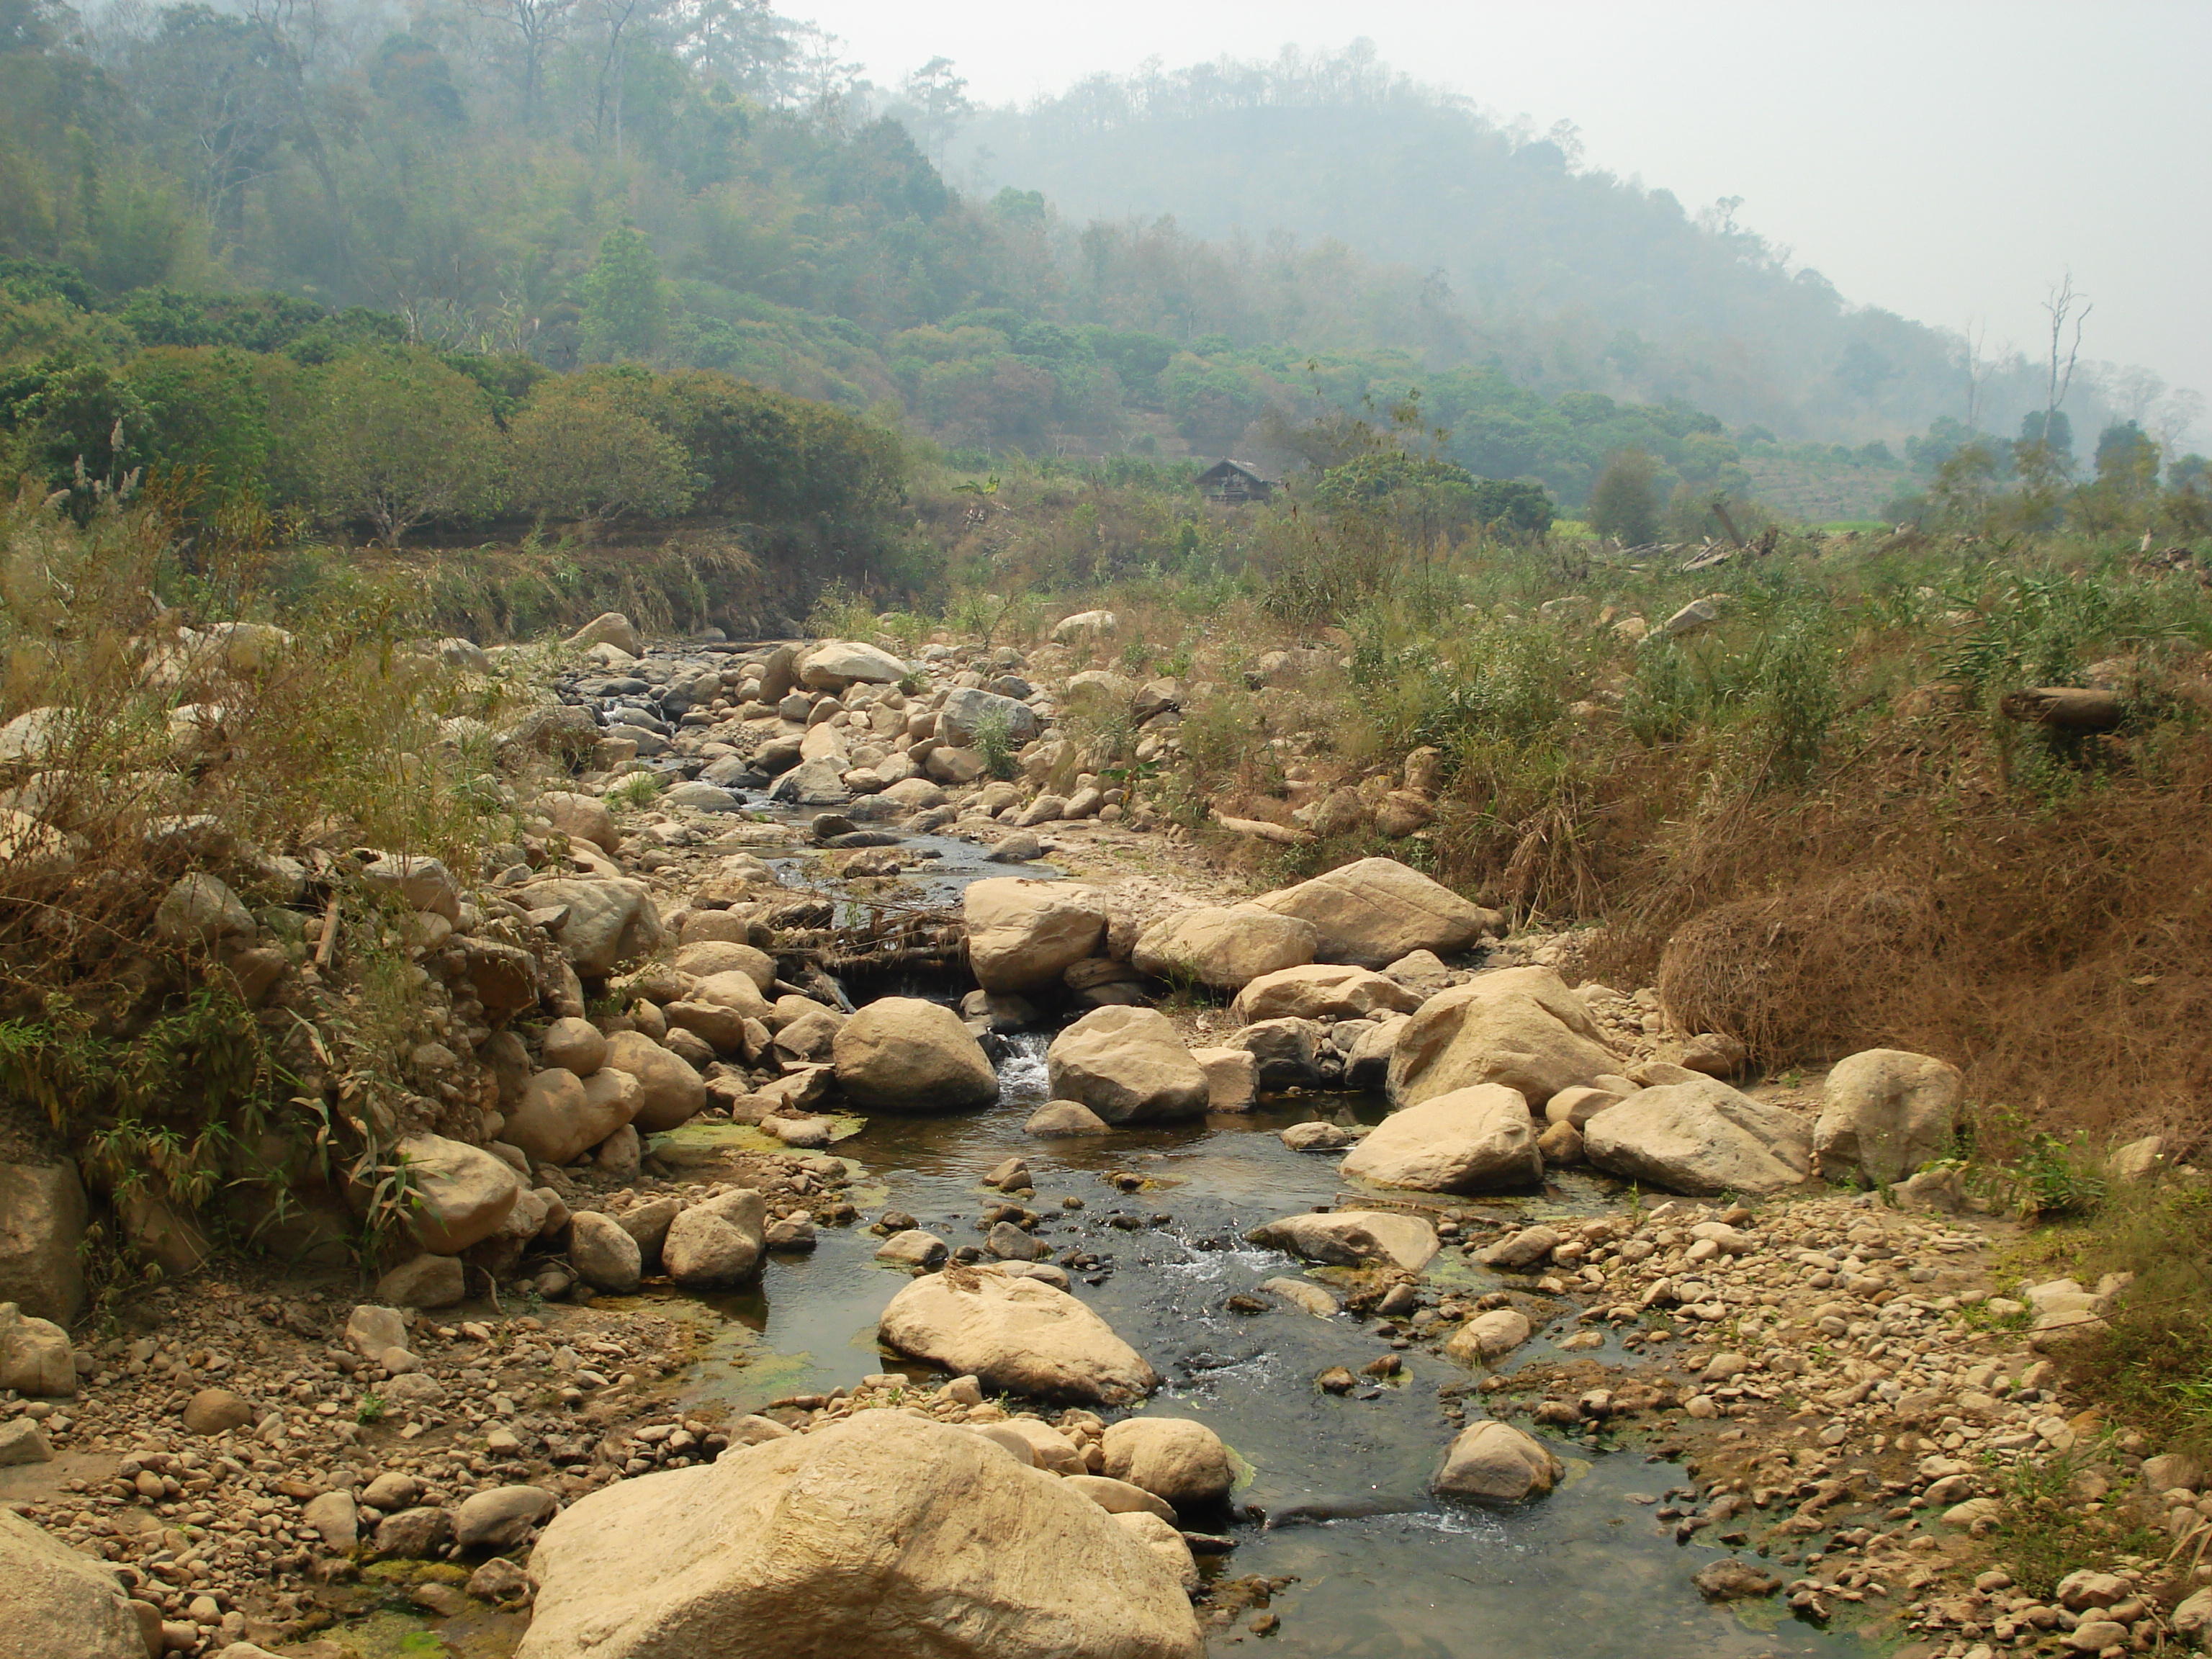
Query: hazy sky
{"points": [[1946, 159]]}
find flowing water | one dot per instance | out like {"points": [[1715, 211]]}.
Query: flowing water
{"points": [[1586, 1573]]}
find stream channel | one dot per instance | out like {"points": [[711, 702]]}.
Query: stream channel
{"points": [[1586, 1573]]}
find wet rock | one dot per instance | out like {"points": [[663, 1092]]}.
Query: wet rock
{"points": [[499, 1580], [1495, 1463], [900, 1053], [1488, 1336], [1065, 1117], [60, 1604], [1019, 1334], [1303, 1294], [1528, 1248], [1128, 1065], [1734, 1581], [1024, 934], [718, 1243], [1518, 1027], [1377, 910], [1232, 1078], [821, 1543], [1174, 1459], [1884, 1113], [1699, 1138], [1225, 947], [1320, 1137], [1468, 1141], [1348, 1237], [911, 1246]]}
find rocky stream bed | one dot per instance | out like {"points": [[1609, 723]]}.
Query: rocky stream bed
{"points": [[868, 1206]]}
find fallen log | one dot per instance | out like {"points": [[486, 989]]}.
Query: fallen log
{"points": [[1282, 834], [2064, 707]]}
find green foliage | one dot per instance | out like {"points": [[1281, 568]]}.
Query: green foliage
{"points": [[995, 742], [396, 437], [583, 457], [1623, 503], [625, 312]]}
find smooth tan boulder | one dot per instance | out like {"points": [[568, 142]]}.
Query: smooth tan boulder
{"points": [[1165, 1541], [1119, 1497], [885, 1535], [1701, 1137], [1065, 1117], [1345, 1238], [736, 989], [1377, 910], [1022, 935], [1884, 1113], [43, 1216], [720, 955], [671, 1093], [610, 921], [1128, 1065], [560, 1117], [1232, 1078], [717, 1242], [1488, 1336], [1019, 1334], [1225, 947], [902, 1054], [62, 1605], [1496, 1463], [1323, 992], [574, 1045], [463, 1194], [34, 1356], [1521, 1027], [581, 818], [1173, 1458], [1467, 1141]]}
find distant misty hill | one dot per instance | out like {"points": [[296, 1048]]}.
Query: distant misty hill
{"points": [[1568, 279]]}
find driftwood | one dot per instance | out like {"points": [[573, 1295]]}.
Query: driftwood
{"points": [[1282, 834], [2064, 707]]}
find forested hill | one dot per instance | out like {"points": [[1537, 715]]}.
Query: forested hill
{"points": [[558, 185], [1575, 279]]}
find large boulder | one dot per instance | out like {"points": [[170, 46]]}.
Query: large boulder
{"points": [[886, 1534], [1346, 1238], [1521, 1027], [1022, 935], [603, 1253], [1019, 1334], [970, 712], [1701, 1137], [1491, 1462], [581, 817], [1376, 910], [717, 1242], [902, 1054], [1128, 1065], [609, 627], [34, 1356], [42, 1223], [1884, 1113], [1467, 1141], [1172, 1458], [1323, 992], [835, 663], [560, 1116], [610, 919], [671, 1092], [463, 1194], [62, 1605], [1225, 947]]}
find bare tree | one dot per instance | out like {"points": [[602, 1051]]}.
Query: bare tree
{"points": [[1979, 368], [2063, 305], [538, 27]]}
